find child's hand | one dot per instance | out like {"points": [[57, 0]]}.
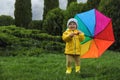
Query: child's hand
{"points": [[79, 32], [72, 34]]}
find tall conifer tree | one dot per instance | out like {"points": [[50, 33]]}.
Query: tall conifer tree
{"points": [[23, 13], [93, 3], [49, 5], [69, 1]]}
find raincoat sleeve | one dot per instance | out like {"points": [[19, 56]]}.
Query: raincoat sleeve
{"points": [[81, 36], [66, 37]]}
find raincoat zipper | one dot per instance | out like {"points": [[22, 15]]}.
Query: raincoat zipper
{"points": [[74, 44]]}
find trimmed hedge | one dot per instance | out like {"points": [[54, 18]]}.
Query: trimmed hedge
{"points": [[20, 41]]}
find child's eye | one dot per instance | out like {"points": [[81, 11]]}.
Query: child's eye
{"points": [[72, 23]]}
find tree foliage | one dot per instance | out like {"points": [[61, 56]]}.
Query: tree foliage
{"points": [[70, 1], [6, 20], [36, 24], [23, 14], [49, 5], [93, 3], [53, 22]]}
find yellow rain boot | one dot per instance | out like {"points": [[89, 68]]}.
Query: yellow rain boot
{"points": [[69, 70], [77, 69]]}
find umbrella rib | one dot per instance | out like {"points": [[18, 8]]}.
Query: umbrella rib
{"points": [[103, 39]]}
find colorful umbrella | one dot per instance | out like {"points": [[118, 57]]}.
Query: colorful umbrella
{"points": [[98, 32]]}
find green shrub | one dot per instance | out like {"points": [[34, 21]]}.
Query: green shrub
{"points": [[23, 33], [8, 39], [28, 33], [6, 20], [42, 36], [46, 37], [35, 24], [52, 24], [20, 41], [54, 46]]}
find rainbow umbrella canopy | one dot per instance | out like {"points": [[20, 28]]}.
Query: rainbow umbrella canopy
{"points": [[98, 33]]}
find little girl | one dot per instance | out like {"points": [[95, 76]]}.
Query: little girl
{"points": [[72, 37]]}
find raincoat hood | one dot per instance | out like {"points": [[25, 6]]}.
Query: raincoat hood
{"points": [[72, 20]]}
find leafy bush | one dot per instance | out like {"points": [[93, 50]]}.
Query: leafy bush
{"points": [[20, 41], [35, 24], [54, 46], [6, 39], [6, 20], [46, 37], [53, 22]]}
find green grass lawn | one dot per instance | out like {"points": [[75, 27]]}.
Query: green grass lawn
{"points": [[52, 67]]}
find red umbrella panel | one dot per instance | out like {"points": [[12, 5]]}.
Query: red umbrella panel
{"points": [[98, 32]]}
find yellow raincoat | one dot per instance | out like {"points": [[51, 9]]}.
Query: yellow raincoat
{"points": [[72, 43]]}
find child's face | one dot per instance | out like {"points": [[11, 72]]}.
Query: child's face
{"points": [[72, 25]]}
